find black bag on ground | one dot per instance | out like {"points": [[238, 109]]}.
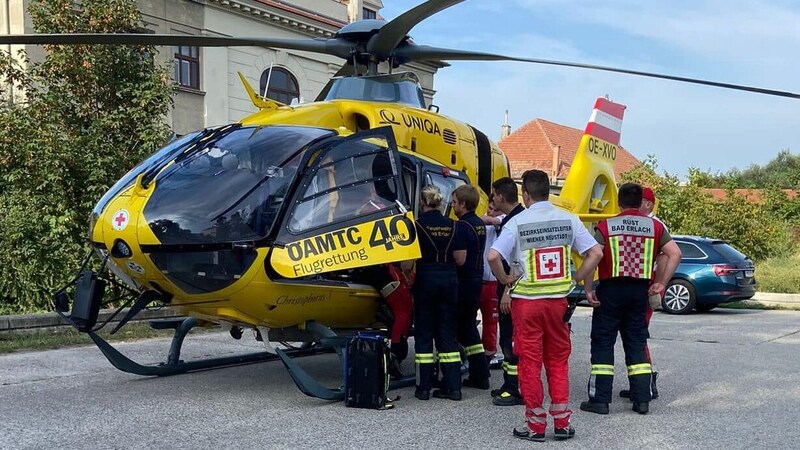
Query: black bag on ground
{"points": [[366, 372]]}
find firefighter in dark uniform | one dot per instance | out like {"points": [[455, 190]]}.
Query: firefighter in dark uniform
{"points": [[470, 285], [631, 242], [435, 292], [505, 195]]}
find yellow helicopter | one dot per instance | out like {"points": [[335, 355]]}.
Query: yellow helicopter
{"points": [[268, 223]]}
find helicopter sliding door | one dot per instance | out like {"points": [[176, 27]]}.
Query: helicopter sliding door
{"points": [[349, 209]]}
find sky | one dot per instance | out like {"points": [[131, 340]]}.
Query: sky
{"points": [[754, 43]]}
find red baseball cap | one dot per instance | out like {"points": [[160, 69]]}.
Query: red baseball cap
{"points": [[647, 194]]}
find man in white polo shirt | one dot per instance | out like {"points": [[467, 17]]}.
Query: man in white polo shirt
{"points": [[539, 242]]}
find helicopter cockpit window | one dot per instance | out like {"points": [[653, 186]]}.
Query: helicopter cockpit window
{"points": [[445, 184], [358, 183], [231, 189], [381, 88]]}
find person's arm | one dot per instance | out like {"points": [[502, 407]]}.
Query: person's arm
{"points": [[664, 272], [592, 252], [502, 249], [489, 220], [460, 257], [496, 265], [407, 266], [585, 273]]}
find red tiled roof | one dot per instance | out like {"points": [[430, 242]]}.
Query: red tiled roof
{"points": [[532, 147], [752, 195]]}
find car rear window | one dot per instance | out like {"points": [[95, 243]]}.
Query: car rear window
{"points": [[727, 251], [690, 250]]}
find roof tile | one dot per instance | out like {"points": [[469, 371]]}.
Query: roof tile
{"points": [[533, 144]]}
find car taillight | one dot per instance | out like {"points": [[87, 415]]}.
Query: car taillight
{"points": [[723, 269]]}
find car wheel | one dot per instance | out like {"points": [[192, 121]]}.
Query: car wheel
{"points": [[706, 307], [679, 297]]}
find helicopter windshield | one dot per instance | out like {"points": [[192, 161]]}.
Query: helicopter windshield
{"points": [[395, 88], [230, 189], [157, 159]]}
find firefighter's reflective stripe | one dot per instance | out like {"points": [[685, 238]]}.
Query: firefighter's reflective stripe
{"points": [[474, 349], [603, 369], [639, 369], [451, 357], [423, 358], [510, 369]]}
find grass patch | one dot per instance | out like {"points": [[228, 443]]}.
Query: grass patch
{"points": [[780, 275], [69, 337], [748, 304]]}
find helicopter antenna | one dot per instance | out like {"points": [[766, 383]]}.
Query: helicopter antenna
{"points": [[269, 75]]}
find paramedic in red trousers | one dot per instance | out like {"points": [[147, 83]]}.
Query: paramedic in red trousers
{"points": [[506, 199], [394, 287], [631, 241], [470, 282], [443, 248], [654, 300], [540, 240], [489, 301]]}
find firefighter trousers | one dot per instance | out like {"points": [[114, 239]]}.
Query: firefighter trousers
{"points": [[469, 297], [489, 315], [623, 305], [510, 381], [542, 337], [436, 319]]}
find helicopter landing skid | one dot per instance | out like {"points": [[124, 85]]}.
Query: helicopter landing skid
{"points": [[176, 366], [313, 388]]}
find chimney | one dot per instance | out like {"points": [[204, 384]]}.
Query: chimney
{"points": [[354, 10], [505, 129], [556, 163]]}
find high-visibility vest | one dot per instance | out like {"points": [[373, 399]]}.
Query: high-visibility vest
{"points": [[631, 245], [544, 244]]}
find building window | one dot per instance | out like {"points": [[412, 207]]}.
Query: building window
{"points": [[282, 85], [367, 13], [187, 66]]}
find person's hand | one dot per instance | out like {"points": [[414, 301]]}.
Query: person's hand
{"points": [[505, 303], [592, 298], [656, 288]]}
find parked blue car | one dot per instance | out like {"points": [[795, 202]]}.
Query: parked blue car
{"points": [[711, 272]]}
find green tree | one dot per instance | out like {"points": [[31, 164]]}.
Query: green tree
{"points": [[89, 114], [782, 172], [759, 230]]}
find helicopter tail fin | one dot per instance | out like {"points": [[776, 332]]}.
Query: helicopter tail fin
{"points": [[590, 187], [259, 101]]}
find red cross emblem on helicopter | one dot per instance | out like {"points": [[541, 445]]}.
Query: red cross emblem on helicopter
{"points": [[120, 220]]}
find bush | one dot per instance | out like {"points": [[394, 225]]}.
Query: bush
{"points": [[755, 229]]}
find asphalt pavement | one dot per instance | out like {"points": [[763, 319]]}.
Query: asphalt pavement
{"points": [[728, 379]]}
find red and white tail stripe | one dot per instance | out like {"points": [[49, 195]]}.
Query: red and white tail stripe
{"points": [[606, 121]]}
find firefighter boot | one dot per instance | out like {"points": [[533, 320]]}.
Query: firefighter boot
{"points": [[626, 393]]}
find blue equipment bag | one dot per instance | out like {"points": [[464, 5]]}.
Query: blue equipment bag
{"points": [[366, 377]]}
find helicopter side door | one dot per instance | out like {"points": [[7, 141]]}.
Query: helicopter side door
{"points": [[349, 209]]}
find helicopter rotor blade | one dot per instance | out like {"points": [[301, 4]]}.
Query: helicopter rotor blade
{"points": [[391, 34], [423, 52], [335, 47]]}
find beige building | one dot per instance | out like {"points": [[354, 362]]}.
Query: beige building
{"points": [[210, 92]]}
